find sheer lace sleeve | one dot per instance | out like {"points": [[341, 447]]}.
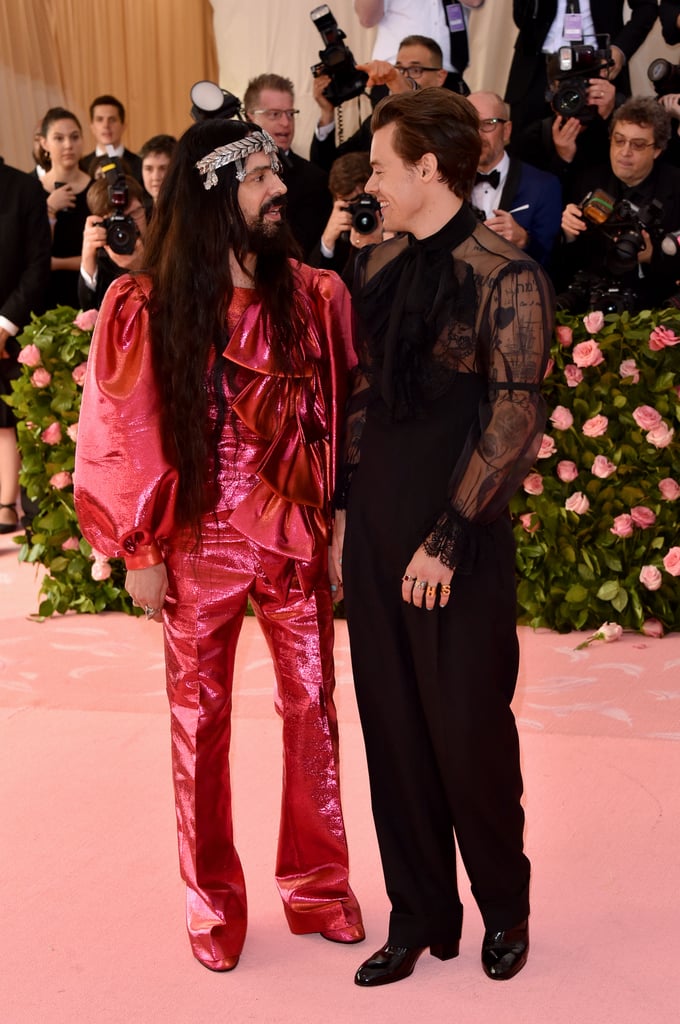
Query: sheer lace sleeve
{"points": [[355, 418], [514, 330]]}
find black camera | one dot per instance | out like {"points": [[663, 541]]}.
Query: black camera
{"points": [[572, 67], [336, 60], [365, 211], [622, 223], [592, 291], [121, 231], [664, 76]]}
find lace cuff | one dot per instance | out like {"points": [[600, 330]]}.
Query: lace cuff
{"points": [[344, 482], [446, 540]]}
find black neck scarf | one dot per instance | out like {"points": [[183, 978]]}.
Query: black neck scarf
{"points": [[407, 304]]}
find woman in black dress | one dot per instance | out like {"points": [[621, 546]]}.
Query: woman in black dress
{"points": [[454, 326], [66, 186]]}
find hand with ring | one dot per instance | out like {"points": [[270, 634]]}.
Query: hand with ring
{"points": [[147, 588], [426, 583]]}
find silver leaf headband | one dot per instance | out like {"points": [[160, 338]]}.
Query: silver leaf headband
{"points": [[237, 152]]}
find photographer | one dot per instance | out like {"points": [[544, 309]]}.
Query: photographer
{"points": [[620, 251], [419, 65], [355, 220], [576, 134], [100, 264]]}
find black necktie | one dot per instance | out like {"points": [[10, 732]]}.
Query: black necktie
{"points": [[493, 178], [460, 54]]}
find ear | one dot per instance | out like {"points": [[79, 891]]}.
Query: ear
{"points": [[427, 167], [507, 132], [442, 75]]}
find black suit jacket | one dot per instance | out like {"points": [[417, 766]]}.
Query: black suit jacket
{"points": [[25, 245], [533, 19], [133, 161], [668, 16], [309, 202]]}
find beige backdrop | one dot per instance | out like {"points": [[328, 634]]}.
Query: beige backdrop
{"points": [[149, 52]]}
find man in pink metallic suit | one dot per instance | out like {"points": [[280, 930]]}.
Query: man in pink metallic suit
{"points": [[206, 456]]}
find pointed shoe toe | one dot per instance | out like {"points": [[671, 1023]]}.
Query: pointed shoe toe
{"points": [[505, 953]]}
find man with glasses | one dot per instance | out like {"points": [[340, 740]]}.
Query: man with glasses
{"points": [[269, 101], [419, 65], [640, 130], [442, 20], [516, 200]]}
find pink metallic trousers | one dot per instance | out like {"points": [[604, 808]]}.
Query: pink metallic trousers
{"points": [[206, 602]]}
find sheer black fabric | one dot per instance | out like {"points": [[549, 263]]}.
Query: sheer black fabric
{"points": [[462, 302]]}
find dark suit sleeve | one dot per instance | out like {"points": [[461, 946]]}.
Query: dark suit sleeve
{"points": [[545, 218], [668, 16], [643, 14], [29, 247]]}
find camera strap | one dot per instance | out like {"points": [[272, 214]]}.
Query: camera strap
{"points": [[455, 20]]}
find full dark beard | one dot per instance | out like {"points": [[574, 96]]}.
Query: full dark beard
{"points": [[271, 241]]}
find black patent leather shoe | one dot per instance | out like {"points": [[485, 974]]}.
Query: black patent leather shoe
{"points": [[504, 954], [392, 963]]}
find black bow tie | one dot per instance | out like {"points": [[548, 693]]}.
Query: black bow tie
{"points": [[493, 178]]}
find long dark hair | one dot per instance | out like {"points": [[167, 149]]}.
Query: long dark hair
{"points": [[191, 234]]}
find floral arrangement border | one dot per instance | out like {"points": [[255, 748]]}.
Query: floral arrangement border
{"points": [[596, 520]]}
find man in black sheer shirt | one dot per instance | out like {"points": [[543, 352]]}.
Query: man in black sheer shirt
{"points": [[453, 325]]}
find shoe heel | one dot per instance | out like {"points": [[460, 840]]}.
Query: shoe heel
{"points": [[445, 950]]}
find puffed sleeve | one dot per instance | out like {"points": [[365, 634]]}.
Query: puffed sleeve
{"points": [[125, 489]]}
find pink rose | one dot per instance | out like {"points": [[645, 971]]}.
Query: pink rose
{"points": [[573, 375], [52, 434], [79, 372], [547, 448], [561, 418], [72, 432], [587, 353], [527, 523], [669, 489], [596, 426], [30, 356], [661, 338], [653, 628], [609, 632], [628, 368], [61, 480], [660, 436], [643, 516], [671, 561], [564, 335], [549, 367], [577, 502], [623, 526], [86, 319], [650, 577], [101, 571], [567, 471], [533, 484], [594, 322], [602, 467], [72, 544], [41, 378], [647, 417]]}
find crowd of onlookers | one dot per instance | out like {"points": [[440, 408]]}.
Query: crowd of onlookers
{"points": [[573, 170]]}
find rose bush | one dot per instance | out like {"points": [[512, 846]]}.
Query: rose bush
{"points": [[597, 536], [46, 402]]}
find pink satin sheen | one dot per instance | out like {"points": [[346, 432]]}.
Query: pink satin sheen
{"points": [[264, 542]]}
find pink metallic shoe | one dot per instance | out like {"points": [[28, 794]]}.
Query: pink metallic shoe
{"points": [[351, 933]]}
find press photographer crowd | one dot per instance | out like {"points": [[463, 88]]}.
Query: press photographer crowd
{"points": [[574, 170]]}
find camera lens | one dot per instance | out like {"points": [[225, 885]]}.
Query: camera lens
{"points": [[121, 235]]}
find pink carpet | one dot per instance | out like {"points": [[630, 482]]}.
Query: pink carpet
{"points": [[92, 905]]}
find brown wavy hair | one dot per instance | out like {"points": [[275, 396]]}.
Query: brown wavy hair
{"points": [[187, 248], [435, 121]]}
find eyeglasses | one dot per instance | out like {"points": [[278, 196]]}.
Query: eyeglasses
{"points": [[413, 70], [489, 123], [637, 145], [276, 115]]}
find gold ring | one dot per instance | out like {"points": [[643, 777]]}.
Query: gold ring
{"points": [[431, 591], [446, 589], [407, 578]]}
